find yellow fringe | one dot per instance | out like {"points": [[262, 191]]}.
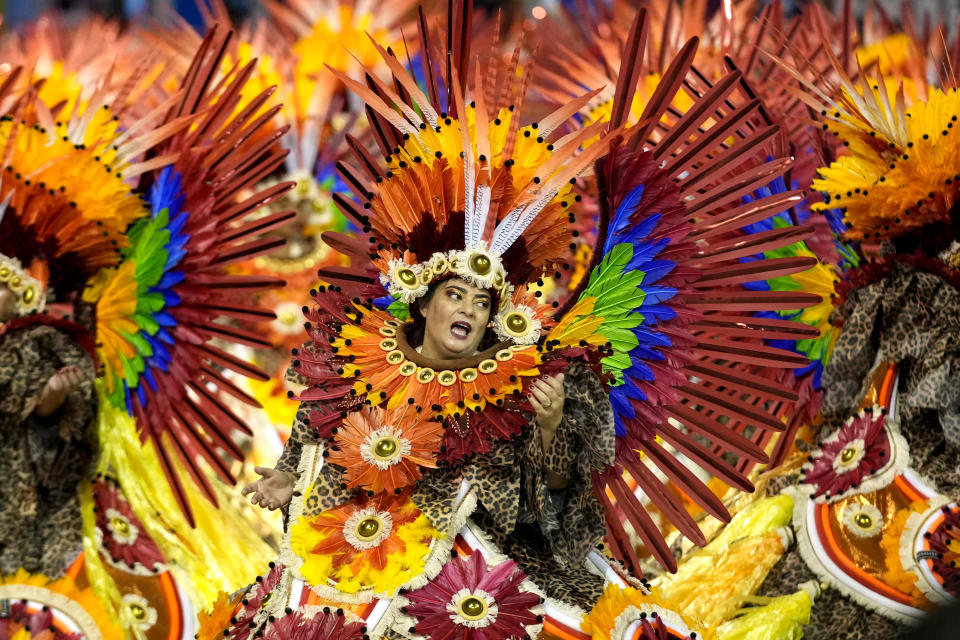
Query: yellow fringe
{"points": [[712, 583], [223, 553], [400, 568], [780, 618]]}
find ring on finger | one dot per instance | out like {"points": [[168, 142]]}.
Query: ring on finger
{"points": [[549, 404]]}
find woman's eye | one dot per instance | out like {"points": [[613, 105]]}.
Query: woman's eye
{"points": [[453, 295]]}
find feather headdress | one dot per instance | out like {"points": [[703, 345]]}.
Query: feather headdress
{"points": [[466, 190]]}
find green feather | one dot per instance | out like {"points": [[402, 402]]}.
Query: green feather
{"points": [[399, 310], [146, 323]]}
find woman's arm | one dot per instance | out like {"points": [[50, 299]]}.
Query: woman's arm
{"points": [[582, 444], [547, 397], [274, 489], [58, 388]]}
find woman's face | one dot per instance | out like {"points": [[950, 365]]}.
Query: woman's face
{"points": [[456, 319], [8, 304]]}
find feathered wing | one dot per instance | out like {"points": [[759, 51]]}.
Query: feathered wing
{"points": [[172, 296], [667, 302]]}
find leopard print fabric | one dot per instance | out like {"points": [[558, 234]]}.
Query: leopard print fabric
{"points": [[549, 535], [300, 434], [327, 490], [913, 318], [572, 520], [41, 460]]}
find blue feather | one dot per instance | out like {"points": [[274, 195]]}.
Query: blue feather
{"points": [[166, 192], [618, 427], [148, 376], [170, 279], [620, 402], [170, 298], [622, 216], [639, 370], [656, 295], [127, 399], [643, 254], [384, 302], [164, 319], [656, 270], [645, 353], [638, 232], [653, 337]]}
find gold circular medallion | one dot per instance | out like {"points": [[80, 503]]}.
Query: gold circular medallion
{"points": [[120, 526], [386, 447], [473, 608], [517, 323], [468, 375], [446, 378], [388, 344], [487, 366], [848, 454], [407, 277], [863, 520], [395, 357], [368, 528], [480, 264], [426, 375]]}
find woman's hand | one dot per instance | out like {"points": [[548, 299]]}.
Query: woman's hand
{"points": [[546, 398], [273, 490], [55, 392]]}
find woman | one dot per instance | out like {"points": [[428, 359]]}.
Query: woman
{"points": [[535, 495], [875, 510], [526, 428], [46, 405]]}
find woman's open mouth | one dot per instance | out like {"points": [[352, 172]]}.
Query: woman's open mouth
{"points": [[460, 329]]}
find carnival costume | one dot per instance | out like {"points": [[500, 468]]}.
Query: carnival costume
{"points": [[403, 459], [873, 502], [139, 216]]}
